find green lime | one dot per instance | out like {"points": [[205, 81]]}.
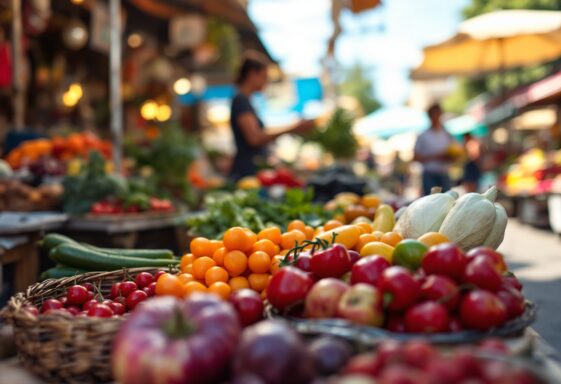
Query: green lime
{"points": [[409, 253]]}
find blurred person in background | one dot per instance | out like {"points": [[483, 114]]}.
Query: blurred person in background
{"points": [[431, 150], [472, 167], [249, 131]]}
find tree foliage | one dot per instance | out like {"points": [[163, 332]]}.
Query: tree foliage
{"points": [[357, 83]]}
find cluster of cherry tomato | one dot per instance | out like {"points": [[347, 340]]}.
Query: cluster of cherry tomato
{"points": [[242, 259], [87, 300]]}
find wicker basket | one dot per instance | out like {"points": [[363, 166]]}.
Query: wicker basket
{"points": [[60, 347]]}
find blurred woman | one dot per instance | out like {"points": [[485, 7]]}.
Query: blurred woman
{"points": [[248, 129]]}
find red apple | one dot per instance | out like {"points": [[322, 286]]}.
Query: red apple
{"points": [[369, 270], [248, 305], [323, 298], [355, 256], [445, 259], [513, 301], [362, 304], [489, 253], [483, 274], [441, 289]]}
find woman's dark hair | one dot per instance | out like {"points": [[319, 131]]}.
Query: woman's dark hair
{"points": [[434, 109], [252, 62]]}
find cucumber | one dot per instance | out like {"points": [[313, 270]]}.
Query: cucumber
{"points": [[52, 240], [78, 256], [140, 253], [61, 271]]}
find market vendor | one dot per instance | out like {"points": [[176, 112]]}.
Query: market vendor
{"points": [[431, 150], [249, 132]]}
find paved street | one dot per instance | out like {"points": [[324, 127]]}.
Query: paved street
{"points": [[535, 257]]}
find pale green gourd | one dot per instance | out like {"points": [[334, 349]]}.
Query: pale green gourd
{"points": [[425, 214], [471, 220], [495, 238]]}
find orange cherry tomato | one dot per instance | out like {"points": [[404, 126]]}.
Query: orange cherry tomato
{"points": [[235, 262], [220, 289], [237, 239], [364, 239], [275, 264], [332, 224], [309, 232], [296, 224], [193, 286], [271, 233], [169, 285], [201, 265], [218, 256], [200, 246], [184, 278], [216, 274], [265, 245], [391, 238], [238, 282], [292, 238], [259, 262], [187, 259], [258, 281]]}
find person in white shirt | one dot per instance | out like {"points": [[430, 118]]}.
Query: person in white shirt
{"points": [[431, 151]]}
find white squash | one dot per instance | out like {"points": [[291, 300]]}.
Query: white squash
{"points": [[495, 238], [471, 219], [425, 214]]}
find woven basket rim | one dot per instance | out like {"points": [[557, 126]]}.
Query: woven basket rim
{"points": [[14, 310]]}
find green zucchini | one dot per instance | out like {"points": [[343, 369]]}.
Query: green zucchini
{"points": [[52, 240], [82, 257], [140, 253], [61, 271]]}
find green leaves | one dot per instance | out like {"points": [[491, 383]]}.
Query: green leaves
{"points": [[337, 137]]}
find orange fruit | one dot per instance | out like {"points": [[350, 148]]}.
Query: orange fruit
{"points": [[271, 233], [309, 232], [364, 239], [258, 281], [265, 245], [218, 256], [252, 236], [216, 274], [187, 259], [238, 282], [185, 278], [291, 238], [365, 227], [378, 234], [201, 265], [214, 245], [296, 224], [378, 248], [237, 239], [370, 200], [391, 238], [433, 238], [220, 289], [275, 264], [193, 286], [332, 224], [235, 262], [188, 269], [259, 262], [170, 285], [200, 246]]}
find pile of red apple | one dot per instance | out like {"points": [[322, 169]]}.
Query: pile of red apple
{"points": [[87, 300], [417, 362], [451, 291]]}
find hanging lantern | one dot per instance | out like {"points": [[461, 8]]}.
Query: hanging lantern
{"points": [[75, 35]]}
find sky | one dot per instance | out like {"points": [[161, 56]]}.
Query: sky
{"points": [[387, 40]]}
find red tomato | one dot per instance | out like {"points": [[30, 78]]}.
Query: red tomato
{"points": [[158, 274], [331, 262], [512, 281], [127, 287], [134, 298], [88, 286], [143, 279], [481, 273], [73, 310], [88, 304], [150, 289], [427, 317], [441, 289], [400, 286], [289, 286], [304, 262], [117, 308], [76, 295], [445, 259], [100, 310], [51, 304], [368, 270], [482, 310]]}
